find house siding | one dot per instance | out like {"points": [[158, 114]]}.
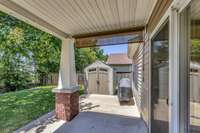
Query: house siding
{"points": [[141, 80], [143, 95], [138, 76], [122, 68], [146, 86], [158, 11]]}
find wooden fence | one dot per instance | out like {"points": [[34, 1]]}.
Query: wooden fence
{"points": [[52, 79]]}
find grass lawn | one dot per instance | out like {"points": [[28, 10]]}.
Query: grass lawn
{"points": [[21, 107]]}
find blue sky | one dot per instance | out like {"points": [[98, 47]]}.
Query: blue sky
{"points": [[115, 49]]}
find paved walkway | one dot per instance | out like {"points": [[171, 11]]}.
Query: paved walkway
{"points": [[99, 114]]}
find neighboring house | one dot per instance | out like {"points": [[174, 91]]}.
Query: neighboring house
{"points": [[120, 62], [122, 66]]}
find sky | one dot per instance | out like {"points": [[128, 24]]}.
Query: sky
{"points": [[115, 49]]}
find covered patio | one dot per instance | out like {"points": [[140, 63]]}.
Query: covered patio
{"points": [[80, 23], [162, 95], [96, 116]]}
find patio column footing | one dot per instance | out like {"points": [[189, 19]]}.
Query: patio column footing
{"points": [[66, 104]]}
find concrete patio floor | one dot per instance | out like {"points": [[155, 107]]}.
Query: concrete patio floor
{"points": [[98, 114]]}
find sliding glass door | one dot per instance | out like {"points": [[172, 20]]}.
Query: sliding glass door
{"points": [[160, 81], [190, 68], [194, 65]]}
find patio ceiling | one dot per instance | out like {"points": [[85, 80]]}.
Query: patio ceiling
{"points": [[81, 18]]}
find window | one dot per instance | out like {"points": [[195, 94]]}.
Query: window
{"points": [[190, 68], [92, 70], [102, 69]]}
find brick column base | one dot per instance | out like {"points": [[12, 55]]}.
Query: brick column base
{"points": [[67, 105]]}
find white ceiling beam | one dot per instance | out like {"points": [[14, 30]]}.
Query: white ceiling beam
{"points": [[19, 12]]}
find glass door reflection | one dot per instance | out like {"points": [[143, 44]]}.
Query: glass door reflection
{"points": [[160, 81]]}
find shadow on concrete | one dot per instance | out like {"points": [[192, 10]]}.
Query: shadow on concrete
{"points": [[87, 106], [42, 126], [127, 103], [93, 122]]}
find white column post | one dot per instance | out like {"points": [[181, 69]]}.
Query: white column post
{"points": [[67, 95], [67, 74]]}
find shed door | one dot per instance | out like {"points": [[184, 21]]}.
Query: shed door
{"points": [[98, 81], [103, 87], [92, 78]]}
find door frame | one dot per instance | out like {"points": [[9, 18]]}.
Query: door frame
{"points": [[184, 61], [175, 38], [154, 33], [172, 16]]}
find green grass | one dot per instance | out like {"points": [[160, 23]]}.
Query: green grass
{"points": [[21, 107]]}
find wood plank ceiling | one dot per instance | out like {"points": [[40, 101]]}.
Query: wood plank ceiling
{"points": [[82, 17]]}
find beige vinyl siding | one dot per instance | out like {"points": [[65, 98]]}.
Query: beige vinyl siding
{"points": [[158, 11], [138, 76], [146, 84], [141, 79], [142, 62]]}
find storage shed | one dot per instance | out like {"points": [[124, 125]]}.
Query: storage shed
{"points": [[99, 77]]}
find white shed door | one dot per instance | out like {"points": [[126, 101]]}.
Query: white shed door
{"points": [[98, 81]]}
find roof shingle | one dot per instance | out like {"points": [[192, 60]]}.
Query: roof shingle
{"points": [[118, 59]]}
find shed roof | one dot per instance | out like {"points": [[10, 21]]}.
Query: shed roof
{"points": [[118, 59], [98, 64]]}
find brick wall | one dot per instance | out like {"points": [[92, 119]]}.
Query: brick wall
{"points": [[67, 105]]}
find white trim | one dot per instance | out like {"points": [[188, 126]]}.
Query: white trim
{"points": [[177, 4], [173, 14], [184, 59], [149, 16], [173, 72], [160, 23], [154, 32], [66, 90], [150, 74], [180, 4]]}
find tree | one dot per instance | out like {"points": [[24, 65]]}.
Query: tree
{"points": [[25, 51], [14, 58], [86, 56]]}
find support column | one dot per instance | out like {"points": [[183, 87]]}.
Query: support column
{"points": [[67, 96]]}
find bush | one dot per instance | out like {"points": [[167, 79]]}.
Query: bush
{"points": [[15, 78], [81, 90]]}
